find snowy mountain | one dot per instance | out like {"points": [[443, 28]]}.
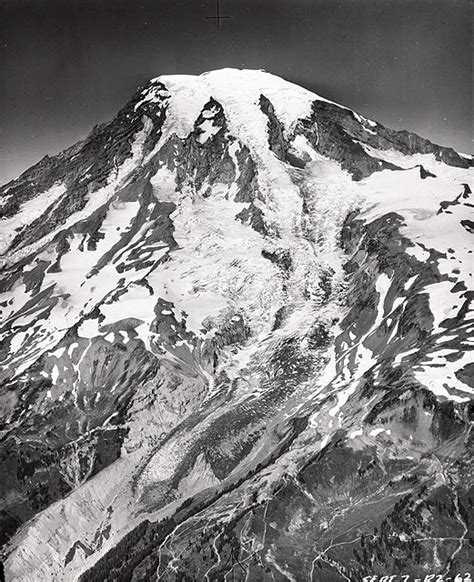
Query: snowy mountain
{"points": [[236, 344]]}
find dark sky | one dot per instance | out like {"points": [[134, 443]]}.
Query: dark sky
{"points": [[69, 64]]}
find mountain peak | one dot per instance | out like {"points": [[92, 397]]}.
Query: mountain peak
{"points": [[233, 319], [238, 90]]}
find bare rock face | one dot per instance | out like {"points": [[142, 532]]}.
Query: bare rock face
{"points": [[346, 137], [235, 341]]}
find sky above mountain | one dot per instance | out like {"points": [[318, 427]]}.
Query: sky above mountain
{"points": [[69, 65]]}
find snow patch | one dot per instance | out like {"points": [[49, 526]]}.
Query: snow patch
{"points": [[29, 211]]}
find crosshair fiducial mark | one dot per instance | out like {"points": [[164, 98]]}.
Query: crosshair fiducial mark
{"points": [[217, 17]]}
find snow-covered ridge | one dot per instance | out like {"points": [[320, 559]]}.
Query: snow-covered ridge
{"points": [[238, 89]]}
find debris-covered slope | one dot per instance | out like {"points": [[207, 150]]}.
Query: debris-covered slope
{"points": [[236, 337]]}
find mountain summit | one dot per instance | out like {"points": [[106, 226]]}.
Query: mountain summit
{"points": [[236, 335]]}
